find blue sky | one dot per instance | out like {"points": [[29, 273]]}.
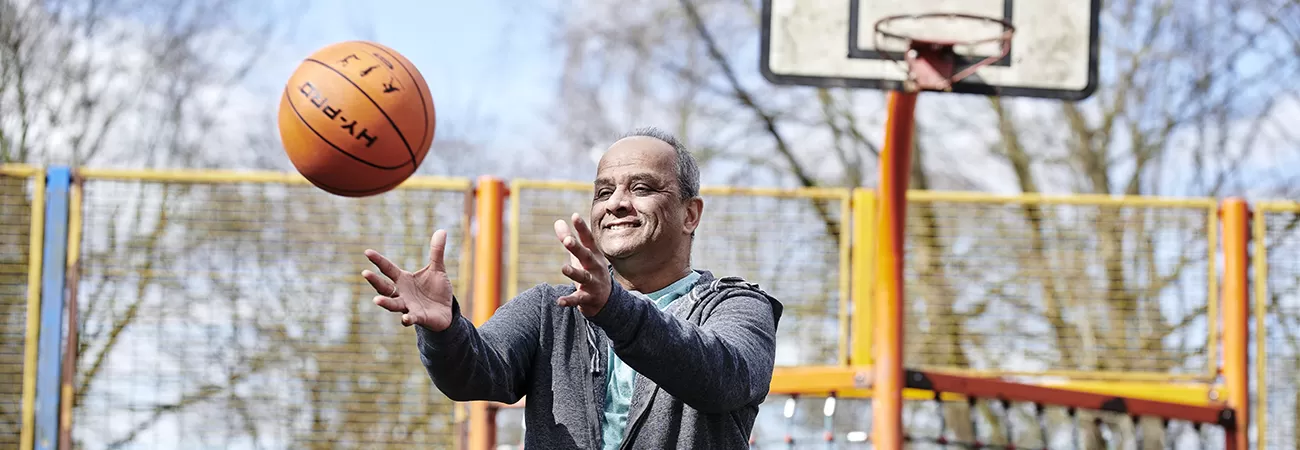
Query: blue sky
{"points": [[482, 60]]}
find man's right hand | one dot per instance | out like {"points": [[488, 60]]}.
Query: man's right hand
{"points": [[423, 297]]}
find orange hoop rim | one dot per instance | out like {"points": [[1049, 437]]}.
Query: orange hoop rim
{"points": [[924, 51]]}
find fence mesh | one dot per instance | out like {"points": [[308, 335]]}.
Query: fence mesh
{"points": [[1279, 278], [234, 315], [16, 207], [811, 421], [788, 242], [1030, 286], [958, 423]]}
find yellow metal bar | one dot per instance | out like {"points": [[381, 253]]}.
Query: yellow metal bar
{"points": [[35, 259], [1278, 206], [1071, 199], [554, 185], [464, 274], [855, 382], [226, 176], [808, 379], [821, 193], [846, 247], [75, 195], [1088, 375], [1212, 295], [19, 170], [512, 249], [1259, 260], [864, 247]]}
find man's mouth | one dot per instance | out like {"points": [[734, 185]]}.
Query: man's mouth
{"points": [[621, 225]]}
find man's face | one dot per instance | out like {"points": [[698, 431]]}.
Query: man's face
{"points": [[637, 206]]}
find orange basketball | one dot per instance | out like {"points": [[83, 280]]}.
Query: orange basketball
{"points": [[356, 118]]}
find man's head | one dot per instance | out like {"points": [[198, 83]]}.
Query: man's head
{"points": [[646, 203]]}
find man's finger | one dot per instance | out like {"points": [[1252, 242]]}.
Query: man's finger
{"points": [[585, 257], [577, 275], [437, 246], [584, 232], [568, 300], [391, 304], [561, 230], [381, 286], [385, 266]]}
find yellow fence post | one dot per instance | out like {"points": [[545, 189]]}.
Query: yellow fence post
{"points": [[864, 247]]}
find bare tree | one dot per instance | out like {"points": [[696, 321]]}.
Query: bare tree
{"points": [[1192, 102]]}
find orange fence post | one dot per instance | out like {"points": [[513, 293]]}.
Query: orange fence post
{"points": [[1236, 303], [895, 167], [488, 216]]}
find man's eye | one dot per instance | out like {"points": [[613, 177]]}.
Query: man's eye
{"points": [[603, 193]]}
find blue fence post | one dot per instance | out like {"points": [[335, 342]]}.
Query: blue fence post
{"points": [[50, 348]]}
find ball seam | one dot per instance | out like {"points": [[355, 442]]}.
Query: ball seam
{"points": [[372, 101]]}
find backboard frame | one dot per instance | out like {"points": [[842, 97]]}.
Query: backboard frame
{"points": [[968, 86]]}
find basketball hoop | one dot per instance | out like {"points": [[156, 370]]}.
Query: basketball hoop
{"points": [[931, 61]]}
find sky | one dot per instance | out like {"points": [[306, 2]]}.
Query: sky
{"points": [[500, 72]]}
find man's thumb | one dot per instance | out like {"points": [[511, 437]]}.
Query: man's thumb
{"points": [[438, 244]]}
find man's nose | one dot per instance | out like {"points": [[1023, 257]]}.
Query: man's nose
{"points": [[619, 201]]}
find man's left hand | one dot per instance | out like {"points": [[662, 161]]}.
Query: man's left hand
{"points": [[587, 267]]}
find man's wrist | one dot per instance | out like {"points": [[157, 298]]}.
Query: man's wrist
{"points": [[615, 316]]}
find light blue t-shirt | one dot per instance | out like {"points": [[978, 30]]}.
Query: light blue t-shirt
{"points": [[619, 383]]}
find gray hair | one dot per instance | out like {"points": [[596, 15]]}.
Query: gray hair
{"points": [[688, 172]]}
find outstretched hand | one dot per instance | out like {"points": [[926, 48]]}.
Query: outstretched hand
{"points": [[422, 297], [587, 267]]}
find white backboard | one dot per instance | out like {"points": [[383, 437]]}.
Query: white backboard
{"points": [[831, 43]]}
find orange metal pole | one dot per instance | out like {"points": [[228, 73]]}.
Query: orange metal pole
{"points": [[1236, 303], [895, 167], [489, 208]]}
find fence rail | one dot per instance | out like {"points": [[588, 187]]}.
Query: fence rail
{"points": [[195, 295]]}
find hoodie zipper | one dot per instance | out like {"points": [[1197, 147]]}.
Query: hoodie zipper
{"points": [[595, 371], [638, 417]]}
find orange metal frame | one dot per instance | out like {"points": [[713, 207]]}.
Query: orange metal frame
{"points": [[489, 214], [1236, 313], [886, 377]]}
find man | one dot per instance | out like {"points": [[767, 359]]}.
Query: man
{"points": [[641, 351]]}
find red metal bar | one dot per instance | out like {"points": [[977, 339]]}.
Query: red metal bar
{"points": [[990, 388]]}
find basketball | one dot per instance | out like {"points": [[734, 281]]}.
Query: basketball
{"points": [[356, 118]]}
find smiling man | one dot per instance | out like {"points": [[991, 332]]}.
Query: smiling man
{"points": [[640, 351]]}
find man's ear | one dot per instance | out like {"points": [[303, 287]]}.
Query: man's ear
{"points": [[694, 209]]}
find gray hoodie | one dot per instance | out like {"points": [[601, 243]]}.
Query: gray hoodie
{"points": [[704, 365]]}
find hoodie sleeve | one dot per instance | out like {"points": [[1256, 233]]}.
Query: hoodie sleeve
{"points": [[490, 362], [720, 366]]}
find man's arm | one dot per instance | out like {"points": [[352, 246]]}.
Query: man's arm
{"points": [[718, 367], [490, 362]]}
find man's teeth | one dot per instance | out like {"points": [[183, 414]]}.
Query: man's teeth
{"points": [[621, 226]]}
